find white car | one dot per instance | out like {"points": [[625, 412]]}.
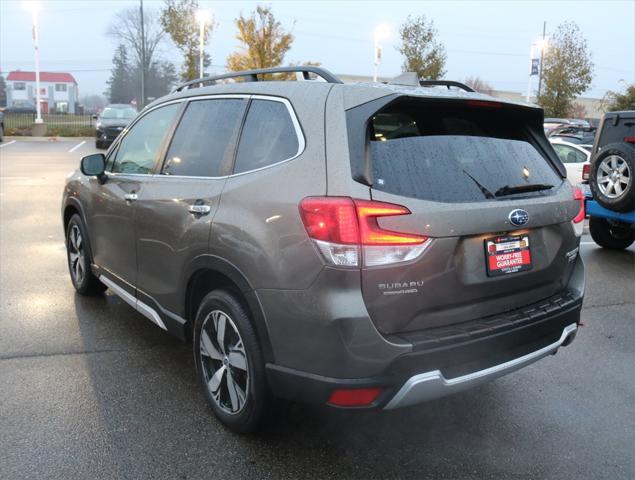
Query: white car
{"points": [[574, 158]]}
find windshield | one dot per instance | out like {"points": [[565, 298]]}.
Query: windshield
{"points": [[127, 113], [456, 154]]}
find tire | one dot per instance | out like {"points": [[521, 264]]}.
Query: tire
{"points": [[238, 396], [611, 177], [1, 133], [99, 145], [611, 235], [79, 257]]}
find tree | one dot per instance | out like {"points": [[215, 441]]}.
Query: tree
{"points": [[120, 85], [567, 70], [479, 85], [616, 101], [423, 52], [160, 79], [126, 29], [3, 92], [178, 20], [264, 41]]}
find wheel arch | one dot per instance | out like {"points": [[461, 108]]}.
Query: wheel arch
{"points": [[207, 273]]}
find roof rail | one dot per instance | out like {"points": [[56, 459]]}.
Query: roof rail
{"points": [[445, 83], [252, 75]]}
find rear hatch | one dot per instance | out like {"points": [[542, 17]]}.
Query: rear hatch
{"points": [[486, 190]]}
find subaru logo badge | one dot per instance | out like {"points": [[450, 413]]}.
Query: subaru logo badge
{"points": [[518, 217]]}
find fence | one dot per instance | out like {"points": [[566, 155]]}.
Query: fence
{"points": [[57, 124]]}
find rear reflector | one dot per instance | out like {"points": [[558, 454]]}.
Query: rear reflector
{"points": [[578, 195], [342, 228], [354, 397], [629, 139], [586, 171]]}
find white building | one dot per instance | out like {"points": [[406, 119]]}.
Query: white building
{"points": [[58, 91]]}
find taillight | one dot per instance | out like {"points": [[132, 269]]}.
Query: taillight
{"points": [[586, 172], [579, 196], [354, 397], [342, 228], [629, 139]]}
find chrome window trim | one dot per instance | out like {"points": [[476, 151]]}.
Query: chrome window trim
{"points": [[294, 119]]}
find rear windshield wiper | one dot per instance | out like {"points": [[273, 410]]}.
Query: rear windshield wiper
{"points": [[511, 190], [484, 190]]}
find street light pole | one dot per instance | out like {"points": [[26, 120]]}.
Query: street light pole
{"points": [[34, 8], [201, 49], [203, 18], [542, 54], [531, 59], [142, 103], [382, 32]]}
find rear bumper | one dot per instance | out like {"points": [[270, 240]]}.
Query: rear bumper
{"points": [[430, 385], [431, 371]]}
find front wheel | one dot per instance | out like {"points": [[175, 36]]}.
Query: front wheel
{"points": [[78, 257], [229, 362], [611, 234]]}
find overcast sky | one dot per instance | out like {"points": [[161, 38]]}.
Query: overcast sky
{"points": [[486, 39]]}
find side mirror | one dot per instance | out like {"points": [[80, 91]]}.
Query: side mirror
{"points": [[94, 165]]}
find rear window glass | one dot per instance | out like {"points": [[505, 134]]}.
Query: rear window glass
{"points": [[268, 136], [455, 154]]}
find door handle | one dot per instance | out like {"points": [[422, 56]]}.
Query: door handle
{"points": [[200, 209], [130, 197]]}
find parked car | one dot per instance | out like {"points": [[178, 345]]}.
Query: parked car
{"points": [[358, 246], [21, 108], [612, 201], [111, 122], [1, 126], [573, 156]]}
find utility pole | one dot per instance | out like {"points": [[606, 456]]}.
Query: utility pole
{"points": [[142, 103], [542, 54]]}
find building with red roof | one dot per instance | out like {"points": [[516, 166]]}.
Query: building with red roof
{"points": [[58, 91]]}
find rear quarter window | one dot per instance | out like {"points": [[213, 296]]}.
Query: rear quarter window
{"points": [[268, 136]]}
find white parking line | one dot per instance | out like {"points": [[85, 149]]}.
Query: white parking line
{"points": [[77, 146], [587, 243], [8, 143]]}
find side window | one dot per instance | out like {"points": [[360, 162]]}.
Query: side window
{"points": [[268, 136], [138, 150], [568, 154], [203, 144]]}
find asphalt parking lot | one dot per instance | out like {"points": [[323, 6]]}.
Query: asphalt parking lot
{"points": [[91, 389]]}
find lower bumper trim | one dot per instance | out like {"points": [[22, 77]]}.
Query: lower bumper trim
{"points": [[430, 385]]}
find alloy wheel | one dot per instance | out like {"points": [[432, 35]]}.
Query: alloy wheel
{"points": [[613, 176], [224, 362], [76, 254]]}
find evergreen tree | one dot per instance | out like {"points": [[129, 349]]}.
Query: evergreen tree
{"points": [[3, 92], [120, 86]]}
